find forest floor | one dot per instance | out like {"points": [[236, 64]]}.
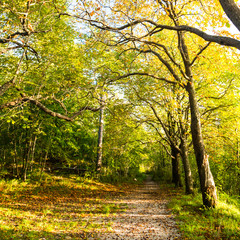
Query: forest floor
{"points": [[75, 208]]}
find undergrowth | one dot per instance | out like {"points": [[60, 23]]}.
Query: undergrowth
{"points": [[198, 222]]}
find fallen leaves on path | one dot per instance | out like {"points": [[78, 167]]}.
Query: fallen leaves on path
{"points": [[146, 217], [74, 209]]}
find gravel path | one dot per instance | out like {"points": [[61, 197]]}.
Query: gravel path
{"points": [[146, 217]]}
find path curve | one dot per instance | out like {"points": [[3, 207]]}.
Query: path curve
{"points": [[146, 217]]}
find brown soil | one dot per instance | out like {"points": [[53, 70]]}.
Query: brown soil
{"points": [[146, 215]]}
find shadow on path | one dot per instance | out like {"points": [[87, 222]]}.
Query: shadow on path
{"points": [[146, 217]]}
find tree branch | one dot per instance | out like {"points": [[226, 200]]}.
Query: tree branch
{"points": [[46, 109], [199, 53], [222, 40]]}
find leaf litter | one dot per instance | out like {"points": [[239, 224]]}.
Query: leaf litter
{"points": [[81, 209]]}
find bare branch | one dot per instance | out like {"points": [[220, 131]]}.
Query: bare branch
{"points": [[212, 109], [199, 53], [224, 93], [13, 35], [222, 40], [46, 109], [61, 104], [166, 64], [161, 142], [164, 128]]}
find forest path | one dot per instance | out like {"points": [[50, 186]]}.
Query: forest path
{"points": [[146, 216]]}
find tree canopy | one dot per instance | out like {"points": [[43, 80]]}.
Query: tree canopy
{"points": [[163, 76]]}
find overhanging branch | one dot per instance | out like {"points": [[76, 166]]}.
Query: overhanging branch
{"points": [[46, 109], [222, 40]]}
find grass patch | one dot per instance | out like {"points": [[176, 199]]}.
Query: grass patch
{"points": [[197, 222], [57, 208]]}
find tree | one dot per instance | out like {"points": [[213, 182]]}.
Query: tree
{"points": [[42, 68], [169, 118], [31, 28], [131, 26], [220, 125]]}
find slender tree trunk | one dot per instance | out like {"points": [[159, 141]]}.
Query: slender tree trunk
{"points": [[44, 160], [237, 145], [43, 165], [26, 161], [26, 155], [187, 167], [100, 139], [4, 159], [33, 152], [208, 188], [163, 159], [15, 173], [176, 176]]}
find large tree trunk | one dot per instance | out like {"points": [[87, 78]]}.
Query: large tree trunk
{"points": [[208, 188], [187, 167], [232, 10], [176, 176]]}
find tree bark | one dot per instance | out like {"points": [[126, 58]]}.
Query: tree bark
{"points": [[207, 184], [176, 176], [208, 189], [232, 11], [187, 167]]}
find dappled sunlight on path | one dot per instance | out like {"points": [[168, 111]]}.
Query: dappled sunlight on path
{"points": [[146, 216]]}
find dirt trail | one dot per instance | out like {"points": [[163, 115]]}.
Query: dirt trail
{"points": [[146, 217]]}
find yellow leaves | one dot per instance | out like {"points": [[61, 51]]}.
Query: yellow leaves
{"points": [[95, 11], [30, 27]]}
